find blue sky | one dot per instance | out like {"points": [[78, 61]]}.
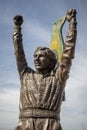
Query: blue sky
{"points": [[38, 19]]}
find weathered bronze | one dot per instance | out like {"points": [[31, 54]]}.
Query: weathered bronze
{"points": [[42, 90]]}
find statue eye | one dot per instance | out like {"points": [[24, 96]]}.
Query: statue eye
{"points": [[41, 55], [35, 56]]}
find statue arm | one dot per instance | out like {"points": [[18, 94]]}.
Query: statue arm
{"points": [[69, 48], [18, 46]]}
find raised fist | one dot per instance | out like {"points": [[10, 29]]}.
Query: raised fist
{"points": [[71, 14], [18, 20]]}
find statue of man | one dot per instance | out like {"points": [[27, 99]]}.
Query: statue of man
{"points": [[42, 90]]}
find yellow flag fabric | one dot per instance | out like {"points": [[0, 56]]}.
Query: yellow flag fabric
{"points": [[57, 43]]}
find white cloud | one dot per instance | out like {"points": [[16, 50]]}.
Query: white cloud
{"points": [[9, 99], [9, 102], [8, 120]]}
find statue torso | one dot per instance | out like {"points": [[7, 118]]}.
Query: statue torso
{"points": [[38, 91]]}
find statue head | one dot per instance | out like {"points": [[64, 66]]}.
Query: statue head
{"points": [[44, 59]]}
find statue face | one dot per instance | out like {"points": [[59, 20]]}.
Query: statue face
{"points": [[41, 61]]}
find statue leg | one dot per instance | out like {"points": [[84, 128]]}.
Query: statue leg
{"points": [[38, 124], [47, 124], [25, 124]]}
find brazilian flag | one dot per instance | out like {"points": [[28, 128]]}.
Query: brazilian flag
{"points": [[57, 43]]}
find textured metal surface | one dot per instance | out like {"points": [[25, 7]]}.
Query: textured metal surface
{"points": [[41, 93]]}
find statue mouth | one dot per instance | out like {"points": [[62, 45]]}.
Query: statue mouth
{"points": [[37, 63]]}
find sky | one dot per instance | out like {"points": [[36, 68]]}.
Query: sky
{"points": [[39, 16]]}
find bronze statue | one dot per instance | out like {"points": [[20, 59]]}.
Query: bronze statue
{"points": [[42, 90]]}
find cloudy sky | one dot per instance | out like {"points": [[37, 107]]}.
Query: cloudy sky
{"points": [[39, 15]]}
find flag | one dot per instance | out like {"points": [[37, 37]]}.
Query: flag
{"points": [[57, 43]]}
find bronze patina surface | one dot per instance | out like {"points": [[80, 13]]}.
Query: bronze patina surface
{"points": [[42, 90]]}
